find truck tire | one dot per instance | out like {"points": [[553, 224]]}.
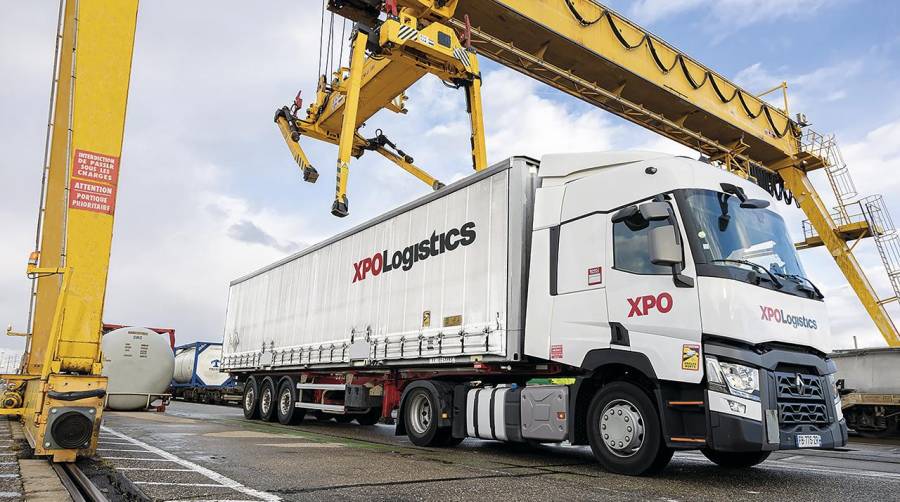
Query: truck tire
{"points": [[420, 417], [370, 417], [736, 459], [250, 399], [288, 413], [268, 405], [624, 431]]}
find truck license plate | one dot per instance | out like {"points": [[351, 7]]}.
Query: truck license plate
{"points": [[809, 441]]}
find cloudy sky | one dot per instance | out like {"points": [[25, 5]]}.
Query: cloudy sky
{"points": [[209, 192]]}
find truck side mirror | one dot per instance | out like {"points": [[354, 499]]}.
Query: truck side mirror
{"points": [[665, 249], [655, 211]]}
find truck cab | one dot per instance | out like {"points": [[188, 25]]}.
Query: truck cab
{"points": [[681, 280]]}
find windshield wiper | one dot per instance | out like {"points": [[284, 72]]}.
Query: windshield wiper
{"points": [[755, 266], [799, 279]]}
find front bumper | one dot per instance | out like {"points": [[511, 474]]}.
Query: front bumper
{"points": [[731, 433], [781, 414]]}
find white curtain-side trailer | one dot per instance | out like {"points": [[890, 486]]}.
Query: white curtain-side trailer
{"points": [[668, 290], [435, 282]]}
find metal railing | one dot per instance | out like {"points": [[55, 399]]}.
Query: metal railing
{"points": [[825, 147], [872, 211]]}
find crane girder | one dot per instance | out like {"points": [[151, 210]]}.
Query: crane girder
{"points": [[590, 52]]}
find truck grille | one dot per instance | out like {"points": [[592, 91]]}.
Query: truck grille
{"points": [[801, 399], [790, 386], [802, 413]]}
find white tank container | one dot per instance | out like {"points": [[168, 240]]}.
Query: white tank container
{"points": [[207, 365], [137, 361]]}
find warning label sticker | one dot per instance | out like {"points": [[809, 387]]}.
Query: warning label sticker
{"points": [[92, 186], [556, 352], [690, 357], [595, 276]]}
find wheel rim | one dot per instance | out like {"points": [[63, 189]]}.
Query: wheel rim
{"points": [[420, 413], [622, 428], [250, 399], [284, 404], [265, 403]]}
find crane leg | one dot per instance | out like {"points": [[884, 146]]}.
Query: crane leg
{"points": [[348, 125], [476, 116], [418, 172], [291, 136], [818, 214]]}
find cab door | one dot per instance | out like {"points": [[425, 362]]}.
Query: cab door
{"points": [[649, 310], [579, 322]]}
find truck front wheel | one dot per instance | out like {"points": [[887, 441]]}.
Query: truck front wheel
{"points": [[736, 459], [624, 431], [250, 399]]}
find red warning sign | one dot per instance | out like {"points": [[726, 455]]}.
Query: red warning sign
{"points": [[556, 352], [92, 186]]}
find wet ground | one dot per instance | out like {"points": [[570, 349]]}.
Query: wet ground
{"points": [[205, 452]]}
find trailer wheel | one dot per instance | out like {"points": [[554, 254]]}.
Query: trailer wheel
{"points": [[267, 404], [250, 399], [421, 420], [624, 431], [370, 417], [736, 459], [288, 413]]}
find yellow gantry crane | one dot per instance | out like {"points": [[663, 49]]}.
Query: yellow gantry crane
{"points": [[588, 51], [59, 393], [577, 46]]}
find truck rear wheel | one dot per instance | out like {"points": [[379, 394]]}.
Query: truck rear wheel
{"points": [[421, 420], [250, 399], [267, 398], [624, 431], [288, 413], [736, 459]]}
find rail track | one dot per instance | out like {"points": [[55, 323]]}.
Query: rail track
{"points": [[79, 486]]}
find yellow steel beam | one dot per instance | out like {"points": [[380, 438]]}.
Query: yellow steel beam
{"points": [[348, 126], [799, 184], [587, 42], [476, 115], [76, 223]]}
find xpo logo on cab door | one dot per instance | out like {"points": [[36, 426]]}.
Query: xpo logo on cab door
{"points": [[642, 305]]}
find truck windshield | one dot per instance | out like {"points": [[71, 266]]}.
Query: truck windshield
{"points": [[725, 234]]}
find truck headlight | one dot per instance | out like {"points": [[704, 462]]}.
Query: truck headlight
{"points": [[832, 379], [740, 380]]}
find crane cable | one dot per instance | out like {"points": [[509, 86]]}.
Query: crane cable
{"points": [[774, 184], [680, 60], [321, 35]]}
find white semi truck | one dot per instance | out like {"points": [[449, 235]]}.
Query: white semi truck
{"points": [[666, 287]]}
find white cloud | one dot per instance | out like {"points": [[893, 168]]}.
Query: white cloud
{"points": [[806, 91], [721, 15]]}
